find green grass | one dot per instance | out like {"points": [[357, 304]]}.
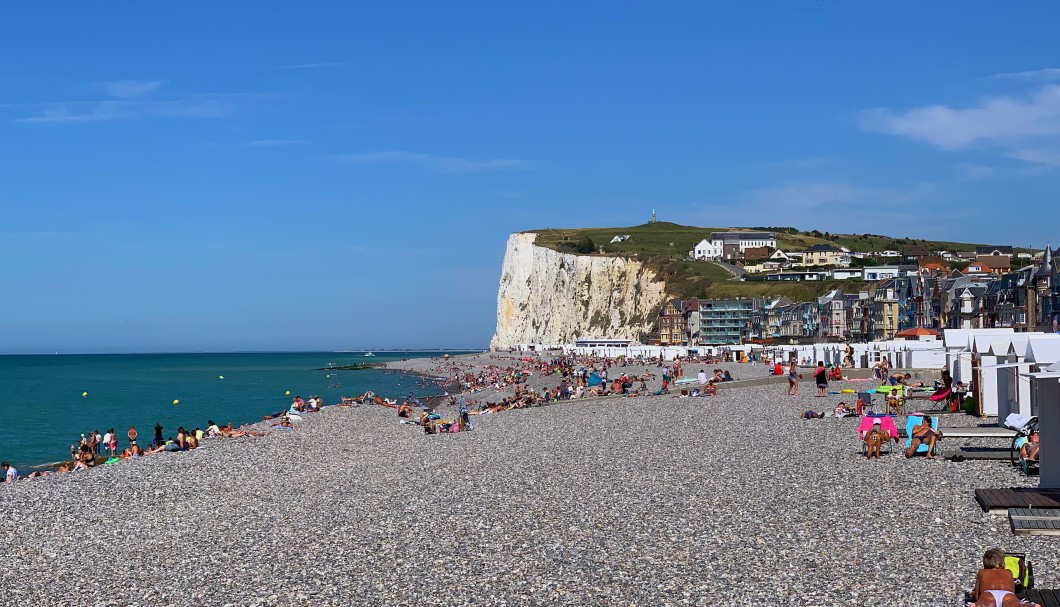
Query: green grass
{"points": [[797, 291], [674, 240], [664, 247], [653, 239]]}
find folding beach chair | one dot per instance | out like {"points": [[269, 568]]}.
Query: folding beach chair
{"points": [[914, 420], [1022, 570], [886, 424], [866, 403]]}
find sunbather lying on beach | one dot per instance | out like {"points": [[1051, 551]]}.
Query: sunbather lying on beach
{"points": [[230, 432], [385, 402], [844, 410], [994, 584]]}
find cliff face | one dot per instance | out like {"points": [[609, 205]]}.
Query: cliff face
{"points": [[550, 297]]}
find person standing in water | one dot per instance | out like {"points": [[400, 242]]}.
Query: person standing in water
{"points": [[159, 441]]}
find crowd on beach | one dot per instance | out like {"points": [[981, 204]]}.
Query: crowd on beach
{"points": [[924, 432], [95, 448], [576, 377]]}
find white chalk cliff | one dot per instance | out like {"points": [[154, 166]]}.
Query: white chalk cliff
{"points": [[548, 297]]}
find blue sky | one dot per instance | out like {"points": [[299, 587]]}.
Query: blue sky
{"points": [[285, 176]]}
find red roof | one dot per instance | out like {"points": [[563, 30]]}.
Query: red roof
{"points": [[916, 332]]}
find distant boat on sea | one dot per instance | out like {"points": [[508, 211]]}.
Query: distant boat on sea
{"points": [[367, 354]]}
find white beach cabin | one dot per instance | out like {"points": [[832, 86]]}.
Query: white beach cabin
{"points": [[958, 344], [1013, 392], [1045, 392]]}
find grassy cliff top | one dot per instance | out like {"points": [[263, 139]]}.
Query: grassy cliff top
{"points": [[674, 240], [664, 247]]}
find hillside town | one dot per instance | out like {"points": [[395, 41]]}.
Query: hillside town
{"points": [[918, 292]]}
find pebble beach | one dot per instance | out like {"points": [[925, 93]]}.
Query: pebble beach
{"points": [[658, 500]]}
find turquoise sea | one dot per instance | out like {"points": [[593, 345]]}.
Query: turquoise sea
{"points": [[43, 411]]}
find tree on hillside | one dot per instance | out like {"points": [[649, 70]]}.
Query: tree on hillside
{"points": [[585, 245]]}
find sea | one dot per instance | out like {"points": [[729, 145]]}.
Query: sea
{"points": [[48, 401]]}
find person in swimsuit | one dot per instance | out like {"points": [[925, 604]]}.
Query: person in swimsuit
{"points": [[994, 584], [874, 439], [923, 434], [793, 380], [821, 377], [1029, 450], [945, 389], [132, 435]]}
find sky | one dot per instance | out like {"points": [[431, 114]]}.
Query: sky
{"points": [[292, 176]]}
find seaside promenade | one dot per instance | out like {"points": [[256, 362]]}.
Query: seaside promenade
{"points": [[730, 500]]}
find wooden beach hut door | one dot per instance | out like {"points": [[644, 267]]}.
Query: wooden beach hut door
{"points": [[977, 386]]}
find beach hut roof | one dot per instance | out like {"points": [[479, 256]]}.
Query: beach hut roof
{"points": [[1043, 350], [1000, 347], [962, 338]]}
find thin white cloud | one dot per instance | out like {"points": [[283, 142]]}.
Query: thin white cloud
{"points": [[309, 66], [993, 120], [271, 143], [1040, 156], [809, 196], [129, 89], [1025, 128], [104, 111], [437, 164], [1049, 73], [835, 205]]}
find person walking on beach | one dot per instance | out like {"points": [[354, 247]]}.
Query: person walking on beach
{"points": [[132, 435], [107, 439], [821, 377], [159, 441], [793, 379]]}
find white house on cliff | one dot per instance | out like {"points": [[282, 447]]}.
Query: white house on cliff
{"points": [[732, 244]]}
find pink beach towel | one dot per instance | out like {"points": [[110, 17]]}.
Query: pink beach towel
{"points": [[886, 423]]}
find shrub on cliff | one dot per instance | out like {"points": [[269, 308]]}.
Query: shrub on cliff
{"points": [[585, 245]]}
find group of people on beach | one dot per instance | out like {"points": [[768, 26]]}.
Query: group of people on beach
{"points": [[578, 377], [94, 448]]}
